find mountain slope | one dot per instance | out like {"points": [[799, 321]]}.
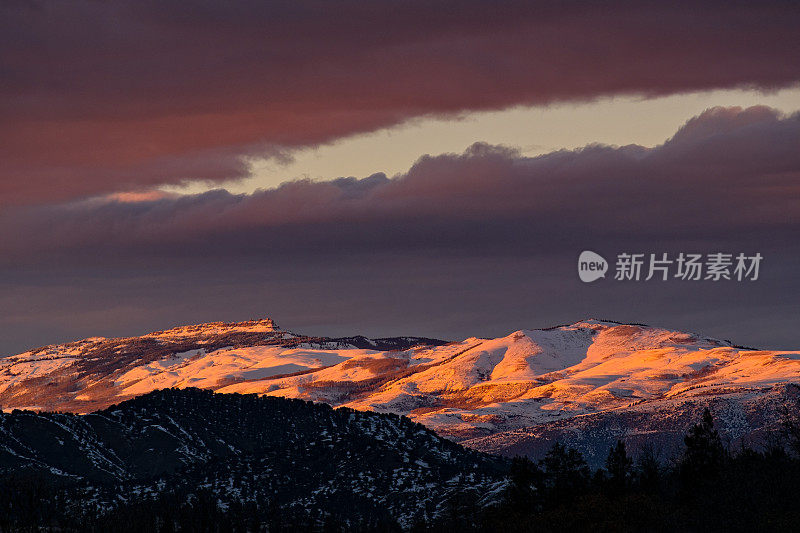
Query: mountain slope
{"points": [[270, 451], [93, 373], [481, 386], [469, 390], [745, 418]]}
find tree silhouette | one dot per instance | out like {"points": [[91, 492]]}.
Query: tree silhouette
{"points": [[619, 466], [705, 455], [566, 472], [648, 467], [524, 476]]}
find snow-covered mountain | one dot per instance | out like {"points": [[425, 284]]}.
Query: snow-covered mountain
{"points": [[485, 392]]}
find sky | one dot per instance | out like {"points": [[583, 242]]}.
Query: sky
{"points": [[394, 168], [534, 130]]}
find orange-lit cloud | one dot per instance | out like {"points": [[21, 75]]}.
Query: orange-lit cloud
{"points": [[132, 197], [484, 240], [101, 97], [725, 169]]}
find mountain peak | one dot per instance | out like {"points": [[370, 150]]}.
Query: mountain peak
{"points": [[461, 389], [259, 325], [593, 323]]}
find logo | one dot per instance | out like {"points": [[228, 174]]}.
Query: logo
{"points": [[591, 266], [717, 266]]}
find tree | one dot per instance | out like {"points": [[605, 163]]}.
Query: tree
{"points": [[648, 467], [790, 424], [619, 466], [705, 455], [524, 476], [566, 472]]}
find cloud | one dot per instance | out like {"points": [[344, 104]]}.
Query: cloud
{"points": [[726, 171], [102, 97], [480, 242]]}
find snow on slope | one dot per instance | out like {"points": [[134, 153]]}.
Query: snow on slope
{"points": [[93, 373], [530, 377], [209, 370], [744, 417], [463, 389]]}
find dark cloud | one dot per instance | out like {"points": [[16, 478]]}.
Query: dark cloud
{"points": [[118, 95], [478, 243]]}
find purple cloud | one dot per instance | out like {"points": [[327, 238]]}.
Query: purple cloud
{"points": [[481, 242], [100, 97]]}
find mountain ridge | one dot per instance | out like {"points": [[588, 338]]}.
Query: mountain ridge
{"points": [[270, 452], [465, 390]]}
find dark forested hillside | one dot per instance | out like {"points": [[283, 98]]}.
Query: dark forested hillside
{"points": [[192, 460], [240, 450], [706, 487]]}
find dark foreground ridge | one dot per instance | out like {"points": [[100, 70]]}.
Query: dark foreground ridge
{"points": [[308, 460], [192, 460]]}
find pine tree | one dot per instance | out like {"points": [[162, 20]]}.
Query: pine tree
{"points": [[524, 475], [618, 466], [705, 454], [648, 467], [791, 425], [566, 472]]}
